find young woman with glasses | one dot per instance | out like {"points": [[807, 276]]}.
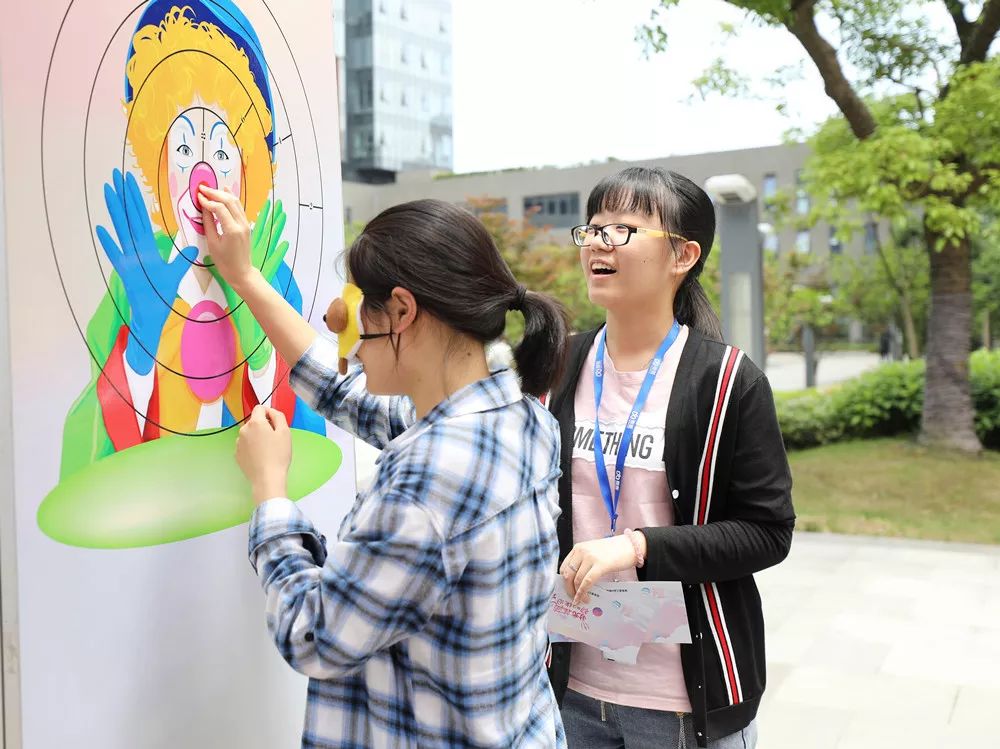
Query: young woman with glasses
{"points": [[423, 624], [673, 468]]}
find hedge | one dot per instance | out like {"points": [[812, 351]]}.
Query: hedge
{"points": [[884, 402]]}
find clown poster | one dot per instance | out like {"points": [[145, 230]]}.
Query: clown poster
{"points": [[131, 616]]}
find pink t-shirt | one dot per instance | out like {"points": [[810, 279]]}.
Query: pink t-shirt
{"points": [[656, 681]]}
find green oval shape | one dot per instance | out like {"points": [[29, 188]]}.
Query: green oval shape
{"points": [[171, 489]]}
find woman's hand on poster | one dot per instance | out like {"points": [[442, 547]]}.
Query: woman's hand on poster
{"points": [[228, 234], [264, 453], [267, 252], [590, 561], [146, 273]]}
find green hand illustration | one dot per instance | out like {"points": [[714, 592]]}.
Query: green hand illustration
{"points": [[267, 252]]}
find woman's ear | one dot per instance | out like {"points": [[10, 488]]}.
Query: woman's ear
{"points": [[402, 309], [687, 258]]}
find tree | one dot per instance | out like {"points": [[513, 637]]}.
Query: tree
{"points": [[541, 263], [917, 135], [892, 283]]}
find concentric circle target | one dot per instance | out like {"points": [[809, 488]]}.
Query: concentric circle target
{"points": [[84, 140]]}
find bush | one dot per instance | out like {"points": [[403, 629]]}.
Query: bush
{"points": [[884, 402]]}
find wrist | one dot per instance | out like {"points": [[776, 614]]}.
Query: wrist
{"points": [[638, 541], [246, 282], [271, 488]]}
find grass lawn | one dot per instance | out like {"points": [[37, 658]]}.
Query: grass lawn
{"points": [[894, 487]]}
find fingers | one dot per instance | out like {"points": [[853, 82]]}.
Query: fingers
{"points": [[208, 222], [111, 249], [216, 210], [277, 419], [116, 209], [227, 199], [264, 219], [135, 210], [586, 576], [235, 205], [568, 572]]}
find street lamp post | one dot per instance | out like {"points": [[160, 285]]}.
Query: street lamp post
{"points": [[742, 266]]}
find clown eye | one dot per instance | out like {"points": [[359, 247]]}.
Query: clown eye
{"points": [[184, 150], [221, 155]]}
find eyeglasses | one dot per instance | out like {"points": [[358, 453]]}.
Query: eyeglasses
{"points": [[615, 235]]}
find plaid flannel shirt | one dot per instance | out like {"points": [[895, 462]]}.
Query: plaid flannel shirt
{"points": [[424, 624]]}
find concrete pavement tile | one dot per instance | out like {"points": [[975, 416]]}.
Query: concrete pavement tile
{"points": [[784, 725], [914, 732], [975, 711], [849, 654], [972, 662], [877, 626]]}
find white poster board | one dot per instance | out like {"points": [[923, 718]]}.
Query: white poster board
{"points": [[131, 617]]}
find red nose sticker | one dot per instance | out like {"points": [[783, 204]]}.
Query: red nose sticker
{"points": [[201, 174]]}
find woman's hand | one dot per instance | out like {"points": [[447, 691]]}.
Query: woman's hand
{"points": [[264, 452], [230, 249], [590, 561]]}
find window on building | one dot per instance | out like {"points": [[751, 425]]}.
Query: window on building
{"points": [[836, 246], [801, 196], [802, 241], [871, 237], [402, 98], [381, 94], [347, 214], [381, 6], [561, 210], [402, 12], [425, 104], [442, 26], [769, 186], [404, 56], [423, 59]]}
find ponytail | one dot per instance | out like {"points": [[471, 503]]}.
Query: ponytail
{"points": [[692, 308], [541, 355]]}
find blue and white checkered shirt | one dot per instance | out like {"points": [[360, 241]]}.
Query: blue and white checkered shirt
{"points": [[424, 624]]}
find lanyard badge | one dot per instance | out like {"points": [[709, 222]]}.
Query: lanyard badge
{"points": [[611, 498]]}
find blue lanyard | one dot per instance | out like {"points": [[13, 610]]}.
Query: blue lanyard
{"points": [[611, 499]]}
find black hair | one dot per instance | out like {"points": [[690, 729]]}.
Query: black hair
{"points": [[444, 256], [684, 209]]}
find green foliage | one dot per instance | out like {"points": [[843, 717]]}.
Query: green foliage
{"points": [[884, 402], [796, 293], [541, 263]]}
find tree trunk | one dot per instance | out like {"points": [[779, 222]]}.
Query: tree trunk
{"points": [[909, 327], [948, 415]]}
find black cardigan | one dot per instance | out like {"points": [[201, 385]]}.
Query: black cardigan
{"points": [[731, 487]]}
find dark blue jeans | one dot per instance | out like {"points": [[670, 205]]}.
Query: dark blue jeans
{"points": [[591, 724]]}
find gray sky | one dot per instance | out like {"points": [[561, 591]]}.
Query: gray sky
{"points": [[563, 82]]}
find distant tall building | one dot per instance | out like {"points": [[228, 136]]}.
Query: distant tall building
{"points": [[394, 80]]}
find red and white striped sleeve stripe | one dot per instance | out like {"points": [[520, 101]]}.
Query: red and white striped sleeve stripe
{"points": [[731, 360]]}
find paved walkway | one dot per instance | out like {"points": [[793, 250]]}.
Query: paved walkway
{"points": [[787, 370], [881, 643]]}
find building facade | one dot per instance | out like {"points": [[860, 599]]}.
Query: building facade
{"points": [[394, 83], [557, 198]]}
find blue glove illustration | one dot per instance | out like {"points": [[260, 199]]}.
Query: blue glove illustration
{"points": [[141, 267]]}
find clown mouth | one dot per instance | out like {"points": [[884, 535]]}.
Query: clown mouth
{"points": [[196, 223]]}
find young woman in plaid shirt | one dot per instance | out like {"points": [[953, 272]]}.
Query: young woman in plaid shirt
{"points": [[423, 625]]}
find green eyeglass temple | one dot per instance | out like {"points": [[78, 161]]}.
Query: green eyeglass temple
{"points": [[585, 231]]}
